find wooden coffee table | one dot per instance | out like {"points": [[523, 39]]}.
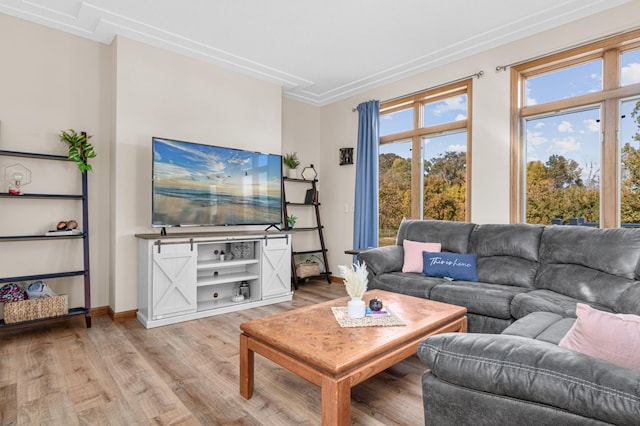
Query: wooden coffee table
{"points": [[310, 343]]}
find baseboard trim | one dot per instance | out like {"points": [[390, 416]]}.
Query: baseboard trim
{"points": [[121, 316], [102, 310]]}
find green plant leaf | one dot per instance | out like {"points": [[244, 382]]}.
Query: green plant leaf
{"points": [[79, 148]]}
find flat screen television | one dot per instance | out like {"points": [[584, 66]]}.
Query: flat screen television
{"points": [[204, 185]]}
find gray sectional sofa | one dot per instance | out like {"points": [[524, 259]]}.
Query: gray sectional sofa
{"points": [[509, 368]]}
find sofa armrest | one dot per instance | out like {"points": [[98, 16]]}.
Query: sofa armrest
{"points": [[383, 259], [629, 301], [535, 371]]}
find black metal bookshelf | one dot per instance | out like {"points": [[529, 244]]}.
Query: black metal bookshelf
{"points": [[74, 311], [315, 204]]}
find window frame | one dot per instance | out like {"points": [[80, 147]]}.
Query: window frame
{"points": [[417, 102], [610, 51]]}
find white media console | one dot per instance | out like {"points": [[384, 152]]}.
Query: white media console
{"points": [[184, 276]]}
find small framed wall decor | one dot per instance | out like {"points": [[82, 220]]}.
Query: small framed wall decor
{"points": [[346, 156]]}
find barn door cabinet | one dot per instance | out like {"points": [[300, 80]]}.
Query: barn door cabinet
{"points": [[190, 276]]}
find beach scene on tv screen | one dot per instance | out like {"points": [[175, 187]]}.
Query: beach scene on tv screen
{"points": [[196, 184]]}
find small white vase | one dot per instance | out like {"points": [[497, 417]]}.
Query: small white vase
{"points": [[356, 308], [292, 173]]}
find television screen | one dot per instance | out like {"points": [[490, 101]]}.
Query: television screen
{"points": [[204, 185]]}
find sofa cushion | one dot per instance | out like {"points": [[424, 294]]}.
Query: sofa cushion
{"points": [[612, 337], [413, 254], [614, 251], [493, 300], [409, 283], [545, 301], [535, 371], [629, 300], [484, 324], [446, 404], [454, 236], [455, 266], [582, 283], [544, 326], [383, 259], [588, 264], [507, 270], [507, 254]]}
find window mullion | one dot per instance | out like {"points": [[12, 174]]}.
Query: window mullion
{"points": [[416, 166], [610, 164], [518, 167]]}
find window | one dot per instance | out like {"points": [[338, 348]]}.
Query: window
{"points": [[424, 158], [630, 162], [573, 136], [630, 69], [396, 122], [394, 193], [445, 175], [563, 167], [564, 83]]}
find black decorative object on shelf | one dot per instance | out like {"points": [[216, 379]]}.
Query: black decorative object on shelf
{"points": [[310, 196], [245, 290], [309, 173], [375, 304]]}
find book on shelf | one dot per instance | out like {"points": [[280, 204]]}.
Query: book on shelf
{"points": [[63, 233], [381, 313]]}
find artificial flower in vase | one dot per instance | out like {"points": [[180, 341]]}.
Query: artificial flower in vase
{"points": [[355, 281]]}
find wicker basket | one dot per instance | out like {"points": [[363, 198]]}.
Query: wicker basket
{"points": [[307, 269], [32, 309]]}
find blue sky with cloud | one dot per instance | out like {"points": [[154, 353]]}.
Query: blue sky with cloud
{"points": [[444, 111], [575, 134]]}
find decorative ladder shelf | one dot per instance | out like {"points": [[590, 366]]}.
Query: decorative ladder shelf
{"points": [[310, 201]]}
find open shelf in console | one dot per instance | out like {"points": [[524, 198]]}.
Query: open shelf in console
{"points": [[204, 280], [218, 296], [219, 264]]}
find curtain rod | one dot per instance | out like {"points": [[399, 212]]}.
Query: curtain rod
{"points": [[565, 49], [477, 75]]}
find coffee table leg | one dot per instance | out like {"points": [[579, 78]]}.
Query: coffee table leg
{"points": [[336, 402], [246, 368]]}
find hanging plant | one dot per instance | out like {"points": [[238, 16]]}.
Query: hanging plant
{"points": [[80, 150]]}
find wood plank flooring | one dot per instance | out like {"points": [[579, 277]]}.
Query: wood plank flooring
{"points": [[119, 373]]}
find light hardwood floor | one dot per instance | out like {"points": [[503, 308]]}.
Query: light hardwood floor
{"points": [[119, 373]]}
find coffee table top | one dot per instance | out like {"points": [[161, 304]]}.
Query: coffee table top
{"points": [[313, 335]]}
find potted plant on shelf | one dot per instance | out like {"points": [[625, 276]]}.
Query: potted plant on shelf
{"points": [[291, 220], [80, 150], [292, 162]]}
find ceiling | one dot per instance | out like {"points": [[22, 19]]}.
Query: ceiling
{"points": [[320, 51]]}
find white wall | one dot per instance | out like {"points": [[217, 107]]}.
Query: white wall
{"points": [[50, 81], [301, 134], [159, 93], [490, 145], [301, 131]]}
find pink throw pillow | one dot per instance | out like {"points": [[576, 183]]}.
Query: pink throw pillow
{"points": [[413, 254], [612, 337]]}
